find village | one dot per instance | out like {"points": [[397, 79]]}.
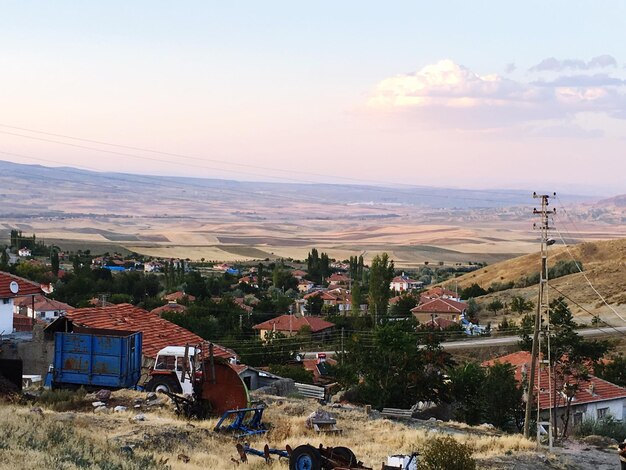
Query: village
{"points": [[327, 331]]}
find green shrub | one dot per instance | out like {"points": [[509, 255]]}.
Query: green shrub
{"points": [[608, 427], [446, 453]]}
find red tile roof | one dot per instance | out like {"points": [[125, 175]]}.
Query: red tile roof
{"points": [[42, 303], [157, 332], [178, 295], [169, 307], [440, 306], [590, 391], [293, 323], [439, 292], [25, 287], [338, 278]]}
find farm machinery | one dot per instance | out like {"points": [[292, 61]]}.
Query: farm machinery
{"points": [[308, 457], [202, 385]]}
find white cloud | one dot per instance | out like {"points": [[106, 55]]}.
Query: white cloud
{"points": [[450, 95]]}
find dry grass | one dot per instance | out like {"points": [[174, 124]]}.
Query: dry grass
{"points": [[85, 435]]}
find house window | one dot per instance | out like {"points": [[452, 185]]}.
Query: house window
{"points": [[603, 412], [578, 419]]}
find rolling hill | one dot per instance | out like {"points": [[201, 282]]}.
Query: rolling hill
{"points": [[604, 268]]}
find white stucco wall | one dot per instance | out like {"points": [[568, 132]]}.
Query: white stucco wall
{"points": [[6, 316]]}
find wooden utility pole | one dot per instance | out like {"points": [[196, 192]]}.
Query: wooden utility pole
{"points": [[545, 242]]}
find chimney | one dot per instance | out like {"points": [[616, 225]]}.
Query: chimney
{"points": [[592, 388], [321, 357]]}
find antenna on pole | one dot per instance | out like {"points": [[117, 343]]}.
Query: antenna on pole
{"points": [[542, 308]]}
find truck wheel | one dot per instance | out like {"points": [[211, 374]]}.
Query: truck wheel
{"points": [[162, 384], [305, 457]]}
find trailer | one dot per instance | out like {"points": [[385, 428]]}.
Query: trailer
{"points": [[96, 358]]}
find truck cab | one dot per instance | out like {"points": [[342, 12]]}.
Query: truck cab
{"points": [[168, 372]]}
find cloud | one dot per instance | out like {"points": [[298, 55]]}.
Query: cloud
{"points": [[448, 94], [551, 64], [510, 68]]}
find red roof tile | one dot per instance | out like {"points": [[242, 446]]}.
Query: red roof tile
{"points": [[178, 295], [169, 307], [441, 306], [590, 391], [42, 303], [157, 332], [25, 287], [293, 323]]}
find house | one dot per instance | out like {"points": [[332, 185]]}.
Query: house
{"points": [[595, 399], [439, 293], [153, 267], [299, 274], [440, 323], [250, 280], [319, 368], [290, 325], [337, 297], [24, 252], [10, 287], [338, 279], [157, 332], [40, 307], [439, 308], [169, 307], [178, 296], [404, 283], [305, 286]]}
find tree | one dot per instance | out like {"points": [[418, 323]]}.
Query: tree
{"points": [[495, 306], [472, 291], [527, 326], [318, 266], [386, 367], [54, 261], [520, 305], [571, 357], [466, 389], [357, 297], [381, 274], [403, 306], [4, 259], [613, 370], [473, 309], [502, 395], [314, 305]]}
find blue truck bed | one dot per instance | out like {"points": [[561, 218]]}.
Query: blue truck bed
{"points": [[98, 358]]}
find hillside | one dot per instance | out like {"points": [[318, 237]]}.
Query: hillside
{"points": [[604, 264], [156, 438]]}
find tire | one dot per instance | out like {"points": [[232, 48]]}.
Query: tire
{"points": [[305, 457], [346, 454], [163, 384]]}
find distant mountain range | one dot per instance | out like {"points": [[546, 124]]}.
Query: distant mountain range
{"points": [[57, 189]]}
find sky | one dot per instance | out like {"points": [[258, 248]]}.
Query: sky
{"points": [[483, 94]]}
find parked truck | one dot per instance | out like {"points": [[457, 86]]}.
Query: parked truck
{"points": [[96, 358]]}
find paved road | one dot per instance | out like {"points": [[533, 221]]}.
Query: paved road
{"points": [[505, 340]]}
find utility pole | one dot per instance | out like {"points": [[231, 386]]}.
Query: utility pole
{"points": [[542, 306], [342, 349]]}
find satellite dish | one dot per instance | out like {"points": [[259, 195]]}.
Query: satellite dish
{"points": [[299, 357], [14, 287]]}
